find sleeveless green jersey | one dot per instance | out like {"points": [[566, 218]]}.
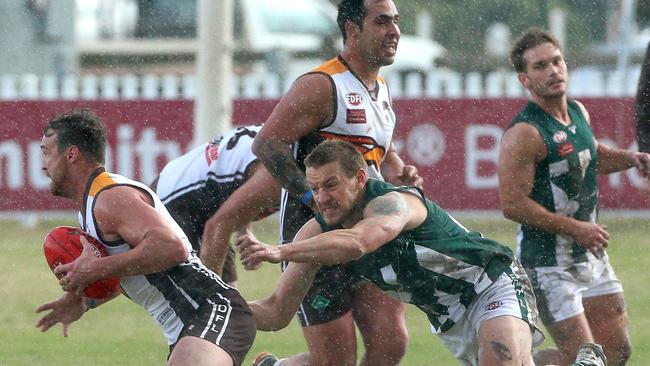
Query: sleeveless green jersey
{"points": [[439, 266], [565, 183]]}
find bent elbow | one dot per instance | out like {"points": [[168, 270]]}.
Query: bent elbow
{"points": [[509, 211], [181, 253], [257, 146], [358, 251], [283, 322], [264, 327]]}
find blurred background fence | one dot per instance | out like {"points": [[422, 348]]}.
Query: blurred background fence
{"points": [[439, 83]]}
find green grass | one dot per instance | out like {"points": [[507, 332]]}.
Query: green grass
{"points": [[121, 333]]}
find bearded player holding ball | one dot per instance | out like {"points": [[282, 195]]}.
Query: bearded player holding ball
{"points": [[205, 321]]}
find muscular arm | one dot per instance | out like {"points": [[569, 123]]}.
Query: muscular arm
{"points": [[384, 218], [276, 311], [156, 247], [612, 160], [259, 192], [305, 107], [125, 212], [521, 149]]}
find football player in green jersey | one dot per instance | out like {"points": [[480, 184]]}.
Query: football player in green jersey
{"points": [[477, 297], [548, 167]]}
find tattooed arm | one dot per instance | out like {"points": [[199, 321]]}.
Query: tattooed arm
{"points": [[383, 219], [303, 109]]}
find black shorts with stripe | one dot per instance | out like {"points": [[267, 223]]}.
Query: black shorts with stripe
{"points": [[225, 320], [331, 294], [192, 209]]}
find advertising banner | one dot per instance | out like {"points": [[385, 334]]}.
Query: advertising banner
{"points": [[453, 142]]}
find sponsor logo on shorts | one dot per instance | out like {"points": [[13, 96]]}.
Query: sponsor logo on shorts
{"points": [[560, 137], [320, 303], [166, 314], [494, 305], [353, 98]]}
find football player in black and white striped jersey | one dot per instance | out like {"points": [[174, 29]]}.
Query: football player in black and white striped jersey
{"points": [[216, 189]]}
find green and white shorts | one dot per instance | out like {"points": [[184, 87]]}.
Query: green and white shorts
{"points": [[511, 294], [560, 290]]}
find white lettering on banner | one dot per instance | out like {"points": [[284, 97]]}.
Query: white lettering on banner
{"points": [[149, 149], [15, 159], [11, 157], [37, 177], [425, 144], [474, 155], [125, 158], [615, 180], [108, 159]]}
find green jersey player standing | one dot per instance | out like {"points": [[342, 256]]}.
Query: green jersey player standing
{"points": [[548, 166]]}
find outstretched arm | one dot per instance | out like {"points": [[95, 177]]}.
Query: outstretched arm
{"points": [[384, 218], [261, 191], [305, 107], [612, 160], [276, 311]]}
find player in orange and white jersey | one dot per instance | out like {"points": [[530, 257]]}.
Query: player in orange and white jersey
{"points": [[345, 98], [205, 321]]}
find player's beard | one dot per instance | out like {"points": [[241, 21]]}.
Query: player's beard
{"points": [[57, 184]]}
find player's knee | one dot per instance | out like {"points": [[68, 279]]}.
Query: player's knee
{"points": [[390, 345]]}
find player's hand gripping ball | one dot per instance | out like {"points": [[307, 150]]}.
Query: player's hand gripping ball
{"points": [[62, 245]]}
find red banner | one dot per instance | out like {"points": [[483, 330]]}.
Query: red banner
{"points": [[454, 144]]}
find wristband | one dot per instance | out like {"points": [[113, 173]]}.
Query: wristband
{"points": [[307, 197], [91, 303]]}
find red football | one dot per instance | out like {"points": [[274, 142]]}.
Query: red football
{"points": [[62, 245]]}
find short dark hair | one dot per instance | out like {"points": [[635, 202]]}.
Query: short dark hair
{"points": [[531, 38], [81, 128], [352, 10], [348, 157]]}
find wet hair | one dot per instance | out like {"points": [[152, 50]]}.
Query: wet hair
{"points": [[352, 10], [81, 128], [531, 38], [348, 157]]}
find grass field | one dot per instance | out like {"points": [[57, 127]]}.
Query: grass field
{"points": [[121, 333]]}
